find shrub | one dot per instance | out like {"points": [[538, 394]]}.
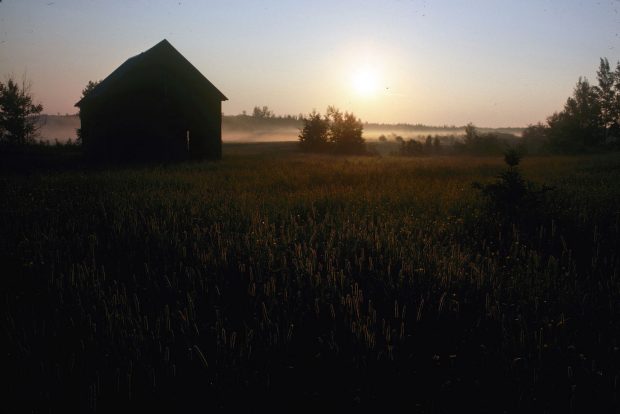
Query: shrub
{"points": [[511, 195]]}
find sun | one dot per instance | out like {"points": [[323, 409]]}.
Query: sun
{"points": [[365, 82]]}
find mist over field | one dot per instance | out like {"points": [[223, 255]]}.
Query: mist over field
{"points": [[59, 128], [238, 128], [263, 134]]}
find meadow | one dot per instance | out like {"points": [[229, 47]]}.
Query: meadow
{"points": [[279, 280]]}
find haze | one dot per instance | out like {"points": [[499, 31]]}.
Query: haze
{"points": [[494, 63]]}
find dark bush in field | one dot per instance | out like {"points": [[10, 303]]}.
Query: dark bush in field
{"points": [[512, 199]]}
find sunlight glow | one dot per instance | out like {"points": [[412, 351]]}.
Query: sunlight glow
{"points": [[365, 82]]}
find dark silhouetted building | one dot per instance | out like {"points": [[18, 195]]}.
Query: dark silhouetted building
{"points": [[155, 106]]}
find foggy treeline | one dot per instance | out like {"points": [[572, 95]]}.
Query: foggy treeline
{"points": [[253, 128]]}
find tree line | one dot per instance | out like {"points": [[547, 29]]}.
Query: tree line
{"points": [[589, 122], [472, 142], [590, 119]]}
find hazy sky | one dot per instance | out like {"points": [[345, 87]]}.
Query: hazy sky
{"points": [[491, 62]]}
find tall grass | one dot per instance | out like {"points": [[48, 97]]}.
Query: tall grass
{"points": [[294, 281]]}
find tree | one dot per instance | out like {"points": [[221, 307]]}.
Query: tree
{"points": [[18, 114], [428, 144], [589, 119], [87, 90], [534, 138], [480, 143], [410, 147], [335, 132], [345, 132], [471, 133], [617, 94], [606, 93], [314, 134], [262, 113], [579, 125]]}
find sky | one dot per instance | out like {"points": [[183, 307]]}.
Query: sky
{"points": [[496, 63]]}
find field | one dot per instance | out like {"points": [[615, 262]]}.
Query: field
{"points": [[293, 282]]}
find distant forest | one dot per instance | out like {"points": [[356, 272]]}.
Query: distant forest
{"points": [[262, 117]]}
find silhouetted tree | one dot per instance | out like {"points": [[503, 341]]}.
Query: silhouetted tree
{"points": [[428, 145], [579, 125], [590, 117], [535, 131], [606, 94], [411, 147], [471, 133], [262, 113], [345, 132], [617, 92], [534, 138], [87, 89], [314, 133], [479, 144], [336, 132], [18, 114]]}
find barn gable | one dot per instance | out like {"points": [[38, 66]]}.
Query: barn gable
{"points": [[156, 105]]}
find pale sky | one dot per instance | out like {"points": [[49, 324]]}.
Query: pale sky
{"points": [[490, 62]]}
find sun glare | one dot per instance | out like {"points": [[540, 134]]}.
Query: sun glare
{"points": [[365, 82]]}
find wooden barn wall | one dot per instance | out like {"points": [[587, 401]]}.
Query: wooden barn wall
{"points": [[152, 123]]}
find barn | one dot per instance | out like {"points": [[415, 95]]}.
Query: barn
{"points": [[155, 106]]}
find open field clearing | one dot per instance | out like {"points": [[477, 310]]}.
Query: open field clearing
{"points": [[280, 280]]}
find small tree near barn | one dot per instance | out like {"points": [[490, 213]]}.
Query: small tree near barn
{"points": [[87, 89]]}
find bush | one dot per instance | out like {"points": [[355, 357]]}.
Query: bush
{"points": [[511, 196]]}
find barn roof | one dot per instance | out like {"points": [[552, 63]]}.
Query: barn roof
{"points": [[161, 51]]}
